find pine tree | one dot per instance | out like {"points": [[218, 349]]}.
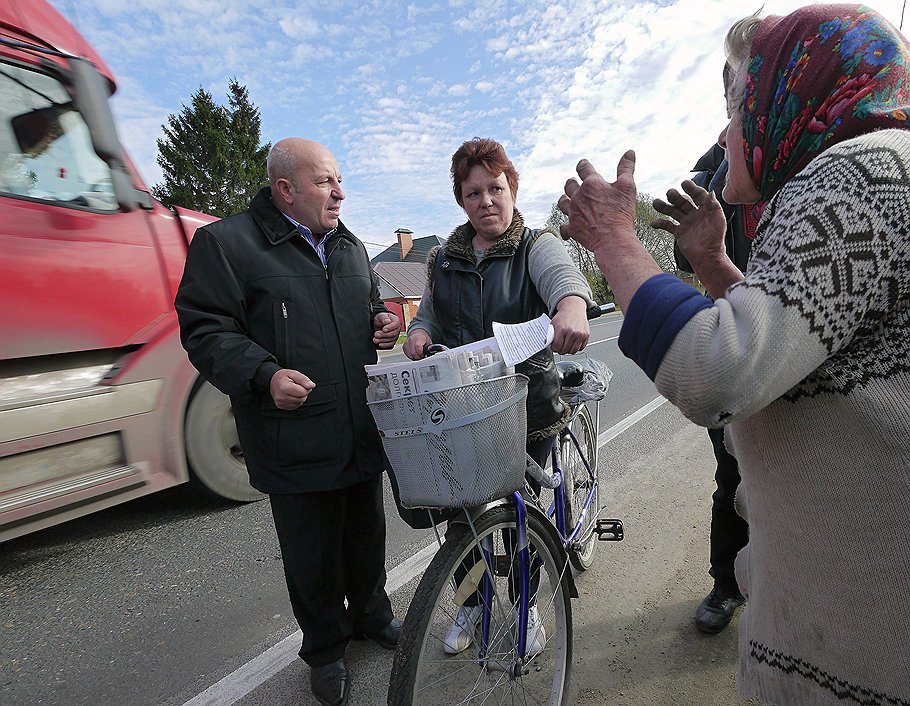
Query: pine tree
{"points": [[210, 155], [246, 156]]}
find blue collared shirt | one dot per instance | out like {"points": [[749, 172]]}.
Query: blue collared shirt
{"points": [[311, 239]]}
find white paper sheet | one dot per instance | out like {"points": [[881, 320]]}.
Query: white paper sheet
{"points": [[519, 342]]}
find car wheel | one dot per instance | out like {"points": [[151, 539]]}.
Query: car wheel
{"points": [[213, 447]]}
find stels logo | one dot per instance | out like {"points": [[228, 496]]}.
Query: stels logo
{"points": [[438, 416]]}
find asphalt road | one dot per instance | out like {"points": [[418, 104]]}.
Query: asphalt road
{"points": [[180, 599]]}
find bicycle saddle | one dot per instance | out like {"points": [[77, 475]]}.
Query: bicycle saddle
{"points": [[571, 374]]}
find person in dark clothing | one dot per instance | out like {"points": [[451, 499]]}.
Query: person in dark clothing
{"points": [[711, 174], [729, 531], [279, 309], [494, 268]]}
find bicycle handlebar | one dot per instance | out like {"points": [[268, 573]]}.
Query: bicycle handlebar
{"points": [[433, 348], [592, 311], [599, 309]]}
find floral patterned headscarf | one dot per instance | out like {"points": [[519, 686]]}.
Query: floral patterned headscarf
{"points": [[818, 76]]}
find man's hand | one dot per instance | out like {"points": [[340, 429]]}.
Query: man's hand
{"points": [[596, 207], [413, 347], [290, 388], [698, 223], [570, 325], [386, 328]]}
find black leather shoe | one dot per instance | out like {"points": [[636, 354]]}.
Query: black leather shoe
{"points": [[388, 636], [331, 683], [716, 611]]}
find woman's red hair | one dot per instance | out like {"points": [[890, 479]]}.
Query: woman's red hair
{"points": [[486, 153]]}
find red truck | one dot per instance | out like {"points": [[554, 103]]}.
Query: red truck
{"points": [[98, 403]]}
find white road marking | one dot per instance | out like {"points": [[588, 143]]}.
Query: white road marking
{"points": [[260, 669], [634, 418], [602, 340]]}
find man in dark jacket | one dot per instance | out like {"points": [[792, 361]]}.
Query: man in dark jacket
{"points": [[711, 174], [729, 531], [279, 309]]}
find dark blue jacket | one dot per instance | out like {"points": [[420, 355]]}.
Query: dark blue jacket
{"points": [[255, 298]]}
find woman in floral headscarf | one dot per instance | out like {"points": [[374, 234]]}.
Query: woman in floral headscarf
{"points": [[805, 358]]}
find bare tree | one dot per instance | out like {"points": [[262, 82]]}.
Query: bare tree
{"points": [[583, 259], [657, 242]]}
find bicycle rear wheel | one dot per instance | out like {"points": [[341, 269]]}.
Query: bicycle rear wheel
{"points": [[423, 674], [578, 482]]}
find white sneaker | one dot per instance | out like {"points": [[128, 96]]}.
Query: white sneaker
{"points": [[461, 635], [502, 654], [537, 634]]}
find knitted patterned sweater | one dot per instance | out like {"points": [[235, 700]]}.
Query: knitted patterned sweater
{"points": [[807, 361]]}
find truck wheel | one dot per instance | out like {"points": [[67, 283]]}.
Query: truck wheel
{"points": [[213, 448]]}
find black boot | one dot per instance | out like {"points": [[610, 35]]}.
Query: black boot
{"points": [[716, 611]]}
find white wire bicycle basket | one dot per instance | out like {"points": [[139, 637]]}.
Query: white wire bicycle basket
{"points": [[459, 447]]}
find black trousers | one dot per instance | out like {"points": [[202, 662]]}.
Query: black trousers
{"points": [[729, 531], [333, 548]]}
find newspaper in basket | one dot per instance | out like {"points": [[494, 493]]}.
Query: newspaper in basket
{"points": [[458, 447]]}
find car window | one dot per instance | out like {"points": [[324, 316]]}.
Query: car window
{"points": [[45, 148]]}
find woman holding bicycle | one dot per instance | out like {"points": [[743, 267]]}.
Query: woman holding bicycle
{"points": [[494, 268]]}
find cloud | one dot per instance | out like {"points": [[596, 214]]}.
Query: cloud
{"points": [[636, 85], [393, 88], [299, 27]]}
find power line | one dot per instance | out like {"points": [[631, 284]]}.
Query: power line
{"points": [[381, 246]]}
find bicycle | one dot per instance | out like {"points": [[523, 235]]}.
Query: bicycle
{"points": [[505, 664]]}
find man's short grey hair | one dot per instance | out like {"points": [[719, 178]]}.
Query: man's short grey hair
{"points": [[282, 164], [738, 47]]}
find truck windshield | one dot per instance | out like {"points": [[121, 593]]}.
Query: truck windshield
{"points": [[45, 149]]}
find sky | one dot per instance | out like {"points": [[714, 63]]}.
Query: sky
{"points": [[394, 88]]}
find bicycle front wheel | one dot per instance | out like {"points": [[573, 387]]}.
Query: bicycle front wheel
{"points": [[426, 673], [578, 481]]}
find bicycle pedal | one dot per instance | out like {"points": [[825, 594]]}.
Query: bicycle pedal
{"points": [[609, 530]]}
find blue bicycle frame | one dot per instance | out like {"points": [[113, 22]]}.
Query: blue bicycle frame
{"points": [[556, 511]]}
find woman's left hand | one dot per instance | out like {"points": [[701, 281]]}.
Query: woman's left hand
{"points": [[698, 224], [570, 326], [699, 228]]}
